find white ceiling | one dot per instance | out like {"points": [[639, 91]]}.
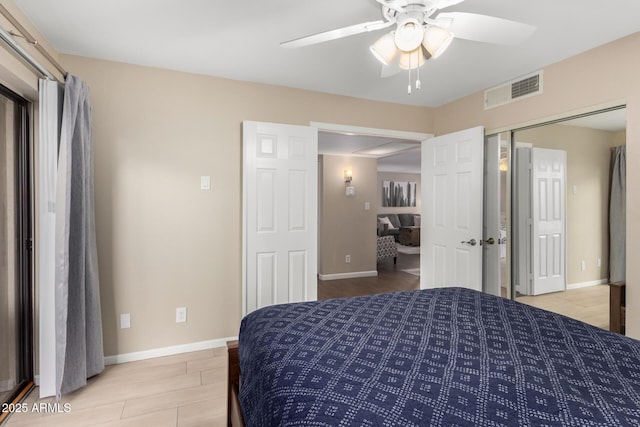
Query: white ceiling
{"points": [[240, 40]]}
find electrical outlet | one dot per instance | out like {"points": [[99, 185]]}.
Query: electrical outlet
{"points": [[181, 314], [125, 321], [583, 265], [599, 262], [347, 259]]}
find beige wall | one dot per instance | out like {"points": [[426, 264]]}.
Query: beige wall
{"points": [[588, 158], [606, 75], [346, 228], [137, 132], [162, 242], [401, 177]]}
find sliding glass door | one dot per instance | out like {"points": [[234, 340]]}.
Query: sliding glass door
{"points": [[16, 267]]}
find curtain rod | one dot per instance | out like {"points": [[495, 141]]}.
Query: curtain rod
{"points": [[10, 42], [8, 38]]}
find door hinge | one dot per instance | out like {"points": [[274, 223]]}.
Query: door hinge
{"points": [[29, 244]]}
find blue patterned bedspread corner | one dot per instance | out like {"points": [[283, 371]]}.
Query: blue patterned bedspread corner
{"points": [[438, 357]]}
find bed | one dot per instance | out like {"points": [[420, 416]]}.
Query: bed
{"points": [[448, 356]]}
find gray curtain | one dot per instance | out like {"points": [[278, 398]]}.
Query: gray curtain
{"points": [[617, 215], [79, 353]]}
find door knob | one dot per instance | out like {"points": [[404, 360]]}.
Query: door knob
{"points": [[471, 242], [489, 241]]}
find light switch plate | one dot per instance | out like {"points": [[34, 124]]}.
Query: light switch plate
{"points": [[125, 321]]}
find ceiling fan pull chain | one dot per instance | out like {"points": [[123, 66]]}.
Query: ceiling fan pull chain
{"points": [[409, 86], [418, 84]]}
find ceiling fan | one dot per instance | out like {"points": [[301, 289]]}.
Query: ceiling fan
{"points": [[422, 32]]}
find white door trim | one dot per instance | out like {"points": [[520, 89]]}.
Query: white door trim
{"points": [[359, 130]]}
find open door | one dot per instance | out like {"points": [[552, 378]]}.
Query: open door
{"points": [[280, 182], [452, 209]]}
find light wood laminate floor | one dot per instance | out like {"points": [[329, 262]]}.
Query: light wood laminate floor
{"points": [[190, 389], [183, 390], [590, 305]]}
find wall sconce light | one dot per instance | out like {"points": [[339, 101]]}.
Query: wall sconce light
{"points": [[348, 175]]}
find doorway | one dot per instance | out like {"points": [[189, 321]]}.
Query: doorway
{"points": [[347, 234], [264, 277], [463, 202], [16, 299]]}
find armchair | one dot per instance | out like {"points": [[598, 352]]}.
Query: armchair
{"points": [[387, 248]]}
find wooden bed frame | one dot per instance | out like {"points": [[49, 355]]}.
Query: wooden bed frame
{"points": [[234, 414], [617, 307]]}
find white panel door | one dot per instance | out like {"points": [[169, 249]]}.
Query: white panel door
{"points": [[452, 169], [280, 182], [548, 213]]}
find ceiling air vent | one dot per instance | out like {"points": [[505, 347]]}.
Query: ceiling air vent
{"points": [[514, 90]]}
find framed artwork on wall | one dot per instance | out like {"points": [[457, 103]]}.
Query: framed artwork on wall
{"points": [[398, 193]]}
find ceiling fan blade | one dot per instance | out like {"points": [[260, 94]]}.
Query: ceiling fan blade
{"points": [[337, 34], [394, 4], [487, 29], [442, 4], [389, 71]]}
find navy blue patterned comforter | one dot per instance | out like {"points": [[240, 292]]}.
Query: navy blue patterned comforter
{"points": [[438, 357]]}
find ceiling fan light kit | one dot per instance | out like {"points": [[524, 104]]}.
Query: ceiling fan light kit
{"points": [[413, 59], [408, 35], [384, 49], [436, 40], [422, 32], [410, 39]]}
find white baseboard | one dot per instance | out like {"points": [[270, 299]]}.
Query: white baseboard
{"points": [[587, 284], [353, 275], [166, 351]]}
